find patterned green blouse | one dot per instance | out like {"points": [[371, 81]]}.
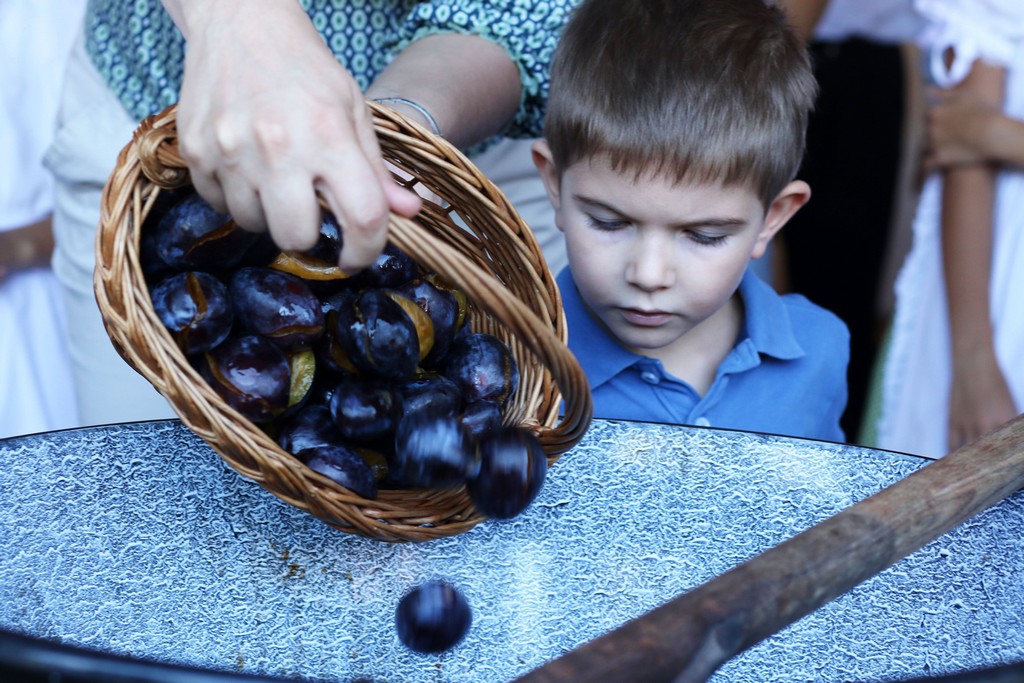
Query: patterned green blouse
{"points": [[140, 52]]}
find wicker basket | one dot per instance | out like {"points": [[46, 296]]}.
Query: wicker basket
{"points": [[496, 261]]}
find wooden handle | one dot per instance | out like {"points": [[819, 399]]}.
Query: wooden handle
{"points": [[688, 638]]}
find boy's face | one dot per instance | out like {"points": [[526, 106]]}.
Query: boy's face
{"points": [[654, 259]]}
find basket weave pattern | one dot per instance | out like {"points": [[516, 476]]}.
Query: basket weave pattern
{"points": [[493, 258]]}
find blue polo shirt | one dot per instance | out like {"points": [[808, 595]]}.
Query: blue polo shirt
{"points": [[785, 375]]}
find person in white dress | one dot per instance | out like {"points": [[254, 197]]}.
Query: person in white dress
{"points": [[955, 367], [36, 391]]}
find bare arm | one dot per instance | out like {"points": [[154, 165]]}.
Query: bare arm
{"points": [[26, 247], [965, 128], [804, 15], [979, 398], [469, 85]]}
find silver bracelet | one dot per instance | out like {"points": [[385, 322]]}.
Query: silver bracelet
{"points": [[414, 105]]}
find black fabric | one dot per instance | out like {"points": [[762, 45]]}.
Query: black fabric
{"points": [[835, 245]]}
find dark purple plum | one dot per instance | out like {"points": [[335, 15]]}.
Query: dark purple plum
{"points": [[328, 244], [433, 393], [442, 308], [461, 300], [336, 300], [192, 235], [195, 309], [512, 471], [251, 374], [433, 617], [377, 335], [342, 465], [364, 410], [154, 268], [332, 355], [433, 451], [278, 306], [391, 269], [311, 426], [420, 320], [261, 252], [318, 266], [481, 418], [483, 367]]}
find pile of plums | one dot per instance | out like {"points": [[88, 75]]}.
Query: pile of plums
{"points": [[374, 380]]}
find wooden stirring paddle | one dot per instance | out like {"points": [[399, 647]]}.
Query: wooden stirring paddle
{"points": [[686, 639]]}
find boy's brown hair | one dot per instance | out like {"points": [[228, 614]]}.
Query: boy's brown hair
{"points": [[698, 90]]}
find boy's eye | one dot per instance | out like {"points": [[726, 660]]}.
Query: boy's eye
{"points": [[705, 239], [606, 223]]}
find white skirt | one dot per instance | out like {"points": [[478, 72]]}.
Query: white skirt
{"points": [[37, 393], [917, 373]]}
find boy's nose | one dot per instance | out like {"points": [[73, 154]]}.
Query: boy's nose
{"points": [[651, 264]]}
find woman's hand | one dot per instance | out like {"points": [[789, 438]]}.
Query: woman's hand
{"points": [[30, 246], [979, 399], [962, 128], [267, 118]]}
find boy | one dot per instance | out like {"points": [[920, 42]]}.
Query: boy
{"points": [[673, 133]]}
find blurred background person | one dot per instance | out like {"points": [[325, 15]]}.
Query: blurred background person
{"points": [[36, 391], [863, 147], [955, 367]]}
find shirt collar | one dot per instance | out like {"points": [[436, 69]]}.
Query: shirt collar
{"points": [[766, 325], [766, 319]]}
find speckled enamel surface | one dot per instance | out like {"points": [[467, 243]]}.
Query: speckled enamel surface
{"points": [[137, 539]]}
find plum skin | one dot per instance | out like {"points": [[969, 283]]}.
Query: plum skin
{"points": [[278, 306], [377, 335], [251, 374], [364, 410], [433, 617], [343, 466], [195, 308], [192, 235], [512, 470], [483, 367], [434, 451]]}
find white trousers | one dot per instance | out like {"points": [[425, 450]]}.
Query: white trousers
{"points": [[92, 127]]}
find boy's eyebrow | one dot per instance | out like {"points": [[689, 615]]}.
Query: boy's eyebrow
{"points": [[709, 222]]}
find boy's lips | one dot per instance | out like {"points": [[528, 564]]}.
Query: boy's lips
{"points": [[644, 318]]}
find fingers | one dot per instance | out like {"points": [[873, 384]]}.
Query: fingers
{"points": [[272, 183], [199, 155], [939, 96], [361, 192], [245, 204], [964, 432], [402, 201], [292, 212], [265, 164], [359, 205]]}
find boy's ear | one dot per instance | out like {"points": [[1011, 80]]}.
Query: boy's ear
{"points": [[545, 164], [786, 203]]}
